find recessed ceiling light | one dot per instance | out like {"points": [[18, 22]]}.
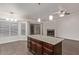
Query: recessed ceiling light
{"points": [[39, 20], [50, 17]]}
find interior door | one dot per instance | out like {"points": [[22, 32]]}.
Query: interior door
{"points": [[34, 29]]}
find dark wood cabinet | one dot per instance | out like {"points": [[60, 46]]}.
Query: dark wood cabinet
{"points": [[47, 51], [34, 46], [38, 47], [48, 48]]}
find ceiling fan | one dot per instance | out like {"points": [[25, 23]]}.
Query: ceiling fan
{"points": [[62, 12]]}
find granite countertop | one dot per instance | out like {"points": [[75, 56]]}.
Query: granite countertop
{"points": [[48, 39]]}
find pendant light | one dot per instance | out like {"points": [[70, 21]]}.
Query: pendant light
{"points": [[50, 17], [39, 20]]}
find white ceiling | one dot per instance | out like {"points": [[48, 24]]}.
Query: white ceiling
{"points": [[33, 10]]}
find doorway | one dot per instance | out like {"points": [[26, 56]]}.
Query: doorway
{"points": [[35, 29]]}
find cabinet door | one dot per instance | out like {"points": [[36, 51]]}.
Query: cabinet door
{"points": [[48, 48], [58, 49], [47, 51], [33, 47], [38, 48]]}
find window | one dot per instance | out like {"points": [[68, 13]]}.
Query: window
{"points": [[4, 28], [12, 29]]}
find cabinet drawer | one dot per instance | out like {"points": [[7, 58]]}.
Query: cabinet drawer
{"points": [[47, 51], [47, 45]]}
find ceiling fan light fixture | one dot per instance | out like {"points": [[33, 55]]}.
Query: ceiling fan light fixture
{"points": [[61, 15]]}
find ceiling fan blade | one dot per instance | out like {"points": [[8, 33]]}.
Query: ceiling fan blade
{"points": [[61, 11]]}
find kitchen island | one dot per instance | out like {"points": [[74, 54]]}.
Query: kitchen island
{"points": [[44, 45]]}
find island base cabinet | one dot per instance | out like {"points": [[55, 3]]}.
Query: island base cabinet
{"points": [[35, 46], [39, 49], [47, 51], [43, 48], [58, 49]]}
